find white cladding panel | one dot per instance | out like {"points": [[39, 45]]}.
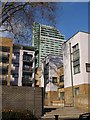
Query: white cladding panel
{"points": [[82, 77]]}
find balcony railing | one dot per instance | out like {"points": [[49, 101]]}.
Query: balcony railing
{"points": [[3, 77], [27, 71], [27, 81], [13, 56], [11, 77], [4, 53], [12, 67], [3, 64], [28, 60]]}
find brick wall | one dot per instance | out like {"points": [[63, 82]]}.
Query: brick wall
{"points": [[51, 96], [82, 100], [22, 99]]}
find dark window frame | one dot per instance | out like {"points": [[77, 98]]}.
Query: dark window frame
{"points": [[60, 80], [76, 60], [53, 79], [87, 65], [77, 88]]}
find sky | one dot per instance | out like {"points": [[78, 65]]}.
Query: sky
{"points": [[73, 18]]}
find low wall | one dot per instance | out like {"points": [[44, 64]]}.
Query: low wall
{"points": [[22, 99]]}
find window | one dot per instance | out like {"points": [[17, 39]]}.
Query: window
{"points": [[61, 86], [75, 47], [62, 95], [77, 91], [27, 57], [87, 67], [75, 55], [15, 75], [76, 69], [62, 78], [76, 59], [54, 79], [76, 63], [16, 64]]}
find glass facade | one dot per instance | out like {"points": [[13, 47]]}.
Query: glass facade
{"points": [[47, 40]]}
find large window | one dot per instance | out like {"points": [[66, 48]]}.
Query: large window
{"points": [[87, 67], [27, 57], [62, 78], [62, 95], [54, 79], [76, 59]]}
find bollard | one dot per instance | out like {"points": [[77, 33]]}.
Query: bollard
{"points": [[56, 117]]}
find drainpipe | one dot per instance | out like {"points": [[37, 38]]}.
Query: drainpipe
{"points": [[34, 87], [71, 75]]}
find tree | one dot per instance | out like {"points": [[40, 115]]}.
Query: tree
{"points": [[19, 16]]}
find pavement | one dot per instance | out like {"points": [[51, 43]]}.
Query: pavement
{"points": [[64, 113]]}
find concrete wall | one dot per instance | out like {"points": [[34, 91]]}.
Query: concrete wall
{"points": [[22, 99]]}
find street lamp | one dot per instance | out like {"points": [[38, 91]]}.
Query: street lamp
{"points": [[71, 75]]}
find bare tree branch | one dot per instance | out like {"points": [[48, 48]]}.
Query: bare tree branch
{"points": [[19, 16]]}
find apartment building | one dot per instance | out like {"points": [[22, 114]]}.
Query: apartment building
{"points": [[60, 80], [26, 66], [47, 40], [51, 84], [6, 47], [51, 63], [17, 63], [76, 59]]}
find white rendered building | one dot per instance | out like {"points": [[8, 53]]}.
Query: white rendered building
{"points": [[26, 66], [76, 59]]}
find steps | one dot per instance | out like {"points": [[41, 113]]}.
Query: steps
{"points": [[63, 113]]}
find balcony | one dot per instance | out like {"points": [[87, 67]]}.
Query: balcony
{"points": [[27, 81], [13, 56], [4, 54], [27, 58], [5, 49], [12, 67], [4, 59], [27, 71], [3, 68], [3, 65], [27, 61], [27, 68], [11, 78], [3, 77]]}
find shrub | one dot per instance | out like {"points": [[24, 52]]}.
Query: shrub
{"points": [[18, 116]]}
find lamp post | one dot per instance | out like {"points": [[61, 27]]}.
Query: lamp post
{"points": [[34, 87], [71, 75]]}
